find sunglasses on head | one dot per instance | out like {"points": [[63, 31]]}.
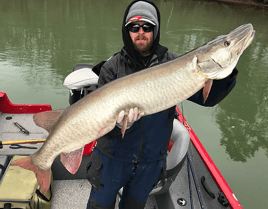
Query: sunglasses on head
{"points": [[136, 27]]}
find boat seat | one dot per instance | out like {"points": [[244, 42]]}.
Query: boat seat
{"points": [[175, 158], [83, 79]]}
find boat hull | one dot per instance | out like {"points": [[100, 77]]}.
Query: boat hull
{"points": [[199, 184]]}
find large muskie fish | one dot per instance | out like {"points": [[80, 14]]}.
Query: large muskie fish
{"points": [[151, 90]]}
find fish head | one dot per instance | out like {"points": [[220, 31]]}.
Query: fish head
{"points": [[217, 58]]}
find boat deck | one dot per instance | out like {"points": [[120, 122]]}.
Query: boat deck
{"points": [[10, 132], [72, 194]]}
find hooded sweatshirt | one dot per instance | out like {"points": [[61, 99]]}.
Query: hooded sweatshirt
{"points": [[128, 44]]}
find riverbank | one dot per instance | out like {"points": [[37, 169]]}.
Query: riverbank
{"points": [[256, 3]]}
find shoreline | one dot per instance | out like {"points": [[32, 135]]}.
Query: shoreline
{"points": [[255, 3]]}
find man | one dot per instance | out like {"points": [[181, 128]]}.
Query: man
{"points": [[136, 161]]}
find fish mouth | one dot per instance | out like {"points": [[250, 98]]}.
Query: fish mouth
{"points": [[242, 38]]}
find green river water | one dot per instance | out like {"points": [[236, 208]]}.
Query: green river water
{"points": [[41, 41]]}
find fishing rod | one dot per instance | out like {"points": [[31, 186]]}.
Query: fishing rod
{"points": [[190, 187], [194, 178]]}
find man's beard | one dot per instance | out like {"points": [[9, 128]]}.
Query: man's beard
{"points": [[143, 48]]}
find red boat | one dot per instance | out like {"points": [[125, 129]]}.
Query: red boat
{"points": [[193, 180]]}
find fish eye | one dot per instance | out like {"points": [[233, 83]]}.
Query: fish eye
{"points": [[227, 43]]}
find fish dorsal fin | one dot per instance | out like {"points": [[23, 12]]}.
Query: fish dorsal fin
{"points": [[72, 160], [47, 119]]}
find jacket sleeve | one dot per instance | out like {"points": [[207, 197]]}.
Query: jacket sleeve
{"points": [[107, 70], [219, 90], [172, 56], [106, 75]]}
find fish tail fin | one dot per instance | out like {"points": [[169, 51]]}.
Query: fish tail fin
{"points": [[42, 176]]}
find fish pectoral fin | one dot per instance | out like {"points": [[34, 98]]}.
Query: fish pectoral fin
{"points": [[42, 176], [206, 89], [72, 160], [46, 120], [122, 121], [124, 126]]}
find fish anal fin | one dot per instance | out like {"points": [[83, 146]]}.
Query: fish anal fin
{"points": [[206, 89], [72, 160], [47, 119], [42, 176]]}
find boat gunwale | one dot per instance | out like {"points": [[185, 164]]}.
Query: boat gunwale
{"points": [[214, 171]]}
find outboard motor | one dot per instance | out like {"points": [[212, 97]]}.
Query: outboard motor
{"points": [[84, 80], [81, 82]]}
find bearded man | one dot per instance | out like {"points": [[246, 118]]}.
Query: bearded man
{"points": [[135, 161]]}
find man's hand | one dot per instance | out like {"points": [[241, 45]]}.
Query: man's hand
{"points": [[126, 121]]}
